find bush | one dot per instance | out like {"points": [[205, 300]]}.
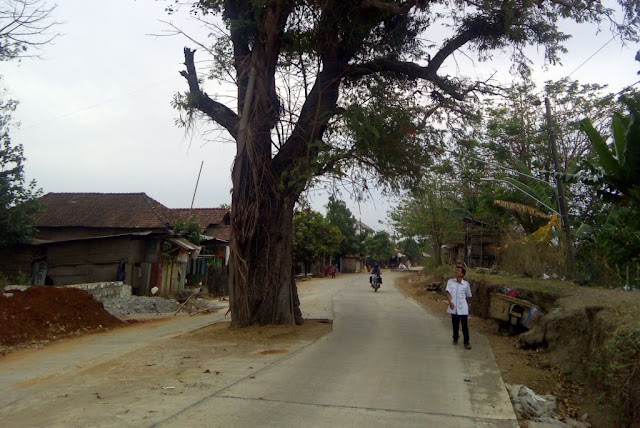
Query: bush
{"points": [[532, 259], [440, 273], [19, 279]]}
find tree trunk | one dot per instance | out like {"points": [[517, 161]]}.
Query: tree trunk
{"points": [[261, 282], [437, 253], [262, 287]]}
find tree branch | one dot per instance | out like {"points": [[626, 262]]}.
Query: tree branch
{"points": [[398, 8], [199, 100], [409, 69]]}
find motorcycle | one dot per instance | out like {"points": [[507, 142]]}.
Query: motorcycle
{"points": [[375, 283]]}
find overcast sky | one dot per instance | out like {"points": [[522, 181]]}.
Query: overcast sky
{"points": [[96, 117]]}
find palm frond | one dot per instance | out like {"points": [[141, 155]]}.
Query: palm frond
{"points": [[520, 208]]}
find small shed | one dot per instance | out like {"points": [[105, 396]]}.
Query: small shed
{"points": [[351, 264], [477, 246]]}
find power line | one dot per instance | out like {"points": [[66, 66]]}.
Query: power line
{"points": [[592, 55], [124, 94]]}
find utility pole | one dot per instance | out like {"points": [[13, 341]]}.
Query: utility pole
{"points": [[562, 202], [196, 188]]}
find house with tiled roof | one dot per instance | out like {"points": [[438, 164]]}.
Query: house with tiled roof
{"points": [[71, 215], [214, 222], [105, 237], [209, 269]]}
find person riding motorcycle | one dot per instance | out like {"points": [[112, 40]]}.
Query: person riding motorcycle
{"points": [[375, 271]]}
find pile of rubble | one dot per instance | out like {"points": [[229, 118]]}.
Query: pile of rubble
{"points": [[121, 306], [539, 410]]}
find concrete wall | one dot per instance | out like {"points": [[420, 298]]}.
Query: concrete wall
{"points": [[351, 264]]}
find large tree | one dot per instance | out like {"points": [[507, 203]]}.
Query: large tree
{"points": [[340, 216], [432, 213], [314, 237], [379, 247], [323, 86]]}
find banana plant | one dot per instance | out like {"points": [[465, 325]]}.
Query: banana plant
{"points": [[616, 171], [541, 192]]}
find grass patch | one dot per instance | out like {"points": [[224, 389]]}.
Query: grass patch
{"points": [[554, 286]]}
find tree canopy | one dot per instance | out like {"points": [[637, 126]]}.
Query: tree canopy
{"points": [[349, 89], [340, 216], [432, 214], [314, 237], [379, 246]]}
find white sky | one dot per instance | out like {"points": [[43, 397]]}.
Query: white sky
{"points": [[96, 117]]}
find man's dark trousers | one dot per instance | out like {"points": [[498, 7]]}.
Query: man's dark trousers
{"points": [[455, 319]]}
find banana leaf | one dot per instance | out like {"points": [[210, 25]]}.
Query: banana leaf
{"points": [[606, 159]]}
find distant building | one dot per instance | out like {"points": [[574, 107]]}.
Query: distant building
{"points": [[362, 228]]}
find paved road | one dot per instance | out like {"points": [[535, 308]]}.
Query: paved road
{"points": [[387, 363]]}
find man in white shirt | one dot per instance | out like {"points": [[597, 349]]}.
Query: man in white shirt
{"points": [[458, 295]]}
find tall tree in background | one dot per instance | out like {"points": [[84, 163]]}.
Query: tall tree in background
{"points": [[339, 215], [379, 247], [411, 249], [24, 25], [314, 237], [324, 86], [430, 214], [512, 145]]}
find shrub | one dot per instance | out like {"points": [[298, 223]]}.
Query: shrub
{"points": [[532, 259]]}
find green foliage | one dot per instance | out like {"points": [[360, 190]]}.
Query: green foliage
{"points": [[411, 249], [189, 228], [615, 171], [432, 213], [515, 138], [20, 278], [340, 216], [24, 24], [439, 272], [18, 200], [314, 237], [621, 361], [387, 133], [379, 246], [611, 248]]}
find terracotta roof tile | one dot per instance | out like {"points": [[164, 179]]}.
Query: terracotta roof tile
{"points": [[222, 233], [113, 210], [204, 216]]}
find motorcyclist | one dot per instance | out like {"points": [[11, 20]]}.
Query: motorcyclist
{"points": [[375, 271]]}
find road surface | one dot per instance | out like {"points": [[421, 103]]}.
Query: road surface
{"points": [[387, 362]]}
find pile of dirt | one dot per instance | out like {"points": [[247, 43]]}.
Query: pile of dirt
{"points": [[48, 313]]}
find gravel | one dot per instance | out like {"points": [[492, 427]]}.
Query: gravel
{"points": [[139, 305]]}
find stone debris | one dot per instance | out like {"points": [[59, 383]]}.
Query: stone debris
{"points": [[539, 410], [530, 405], [128, 305]]}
